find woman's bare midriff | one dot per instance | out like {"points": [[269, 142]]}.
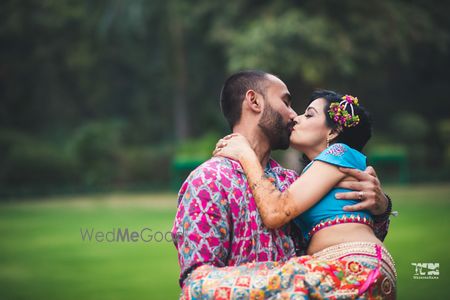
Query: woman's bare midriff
{"points": [[342, 233]]}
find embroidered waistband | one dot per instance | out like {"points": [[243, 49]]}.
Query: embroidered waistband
{"points": [[359, 248], [339, 220]]}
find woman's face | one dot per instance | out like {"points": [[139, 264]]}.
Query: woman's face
{"points": [[311, 132]]}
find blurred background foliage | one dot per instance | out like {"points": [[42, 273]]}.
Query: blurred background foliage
{"points": [[124, 94]]}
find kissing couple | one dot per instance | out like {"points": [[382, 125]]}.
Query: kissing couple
{"points": [[247, 228]]}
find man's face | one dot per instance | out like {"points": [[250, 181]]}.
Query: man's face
{"points": [[277, 118]]}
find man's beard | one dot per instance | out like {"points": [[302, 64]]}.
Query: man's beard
{"points": [[275, 130]]}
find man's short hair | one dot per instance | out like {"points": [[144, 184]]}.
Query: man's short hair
{"points": [[234, 90]]}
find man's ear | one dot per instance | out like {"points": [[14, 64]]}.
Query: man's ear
{"points": [[254, 101]]}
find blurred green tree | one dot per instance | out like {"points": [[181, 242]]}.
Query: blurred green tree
{"points": [[157, 66]]}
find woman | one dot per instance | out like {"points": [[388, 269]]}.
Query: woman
{"points": [[345, 259]]}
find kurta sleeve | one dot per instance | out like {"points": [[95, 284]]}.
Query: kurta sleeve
{"points": [[201, 230]]}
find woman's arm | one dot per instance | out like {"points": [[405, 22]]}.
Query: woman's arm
{"points": [[278, 208]]}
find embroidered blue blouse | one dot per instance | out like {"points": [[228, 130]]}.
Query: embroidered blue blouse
{"points": [[329, 211]]}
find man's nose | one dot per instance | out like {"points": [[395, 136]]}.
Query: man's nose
{"points": [[292, 114]]}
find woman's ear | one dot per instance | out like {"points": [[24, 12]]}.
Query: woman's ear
{"points": [[253, 101], [334, 133]]}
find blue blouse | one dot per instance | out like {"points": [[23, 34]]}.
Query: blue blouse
{"points": [[329, 211]]}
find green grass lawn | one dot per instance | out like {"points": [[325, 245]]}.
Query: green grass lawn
{"points": [[43, 256]]}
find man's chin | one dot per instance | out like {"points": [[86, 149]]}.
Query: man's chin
{"points": [[281, 146]]}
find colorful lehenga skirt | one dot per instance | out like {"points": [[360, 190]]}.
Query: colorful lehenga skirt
{"points": [[357, 270]]}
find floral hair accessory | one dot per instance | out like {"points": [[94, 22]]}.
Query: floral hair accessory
{"points": [[338, 111]]}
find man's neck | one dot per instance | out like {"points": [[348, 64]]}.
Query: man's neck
{"points": [[258, 142]]}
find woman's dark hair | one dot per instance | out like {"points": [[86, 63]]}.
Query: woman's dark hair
{"points": [[355, 137]]}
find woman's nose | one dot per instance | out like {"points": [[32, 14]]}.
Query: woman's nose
{"points": [[297, 118]]}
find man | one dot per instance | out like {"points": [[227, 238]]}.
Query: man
{"points": [[217, 221]]}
